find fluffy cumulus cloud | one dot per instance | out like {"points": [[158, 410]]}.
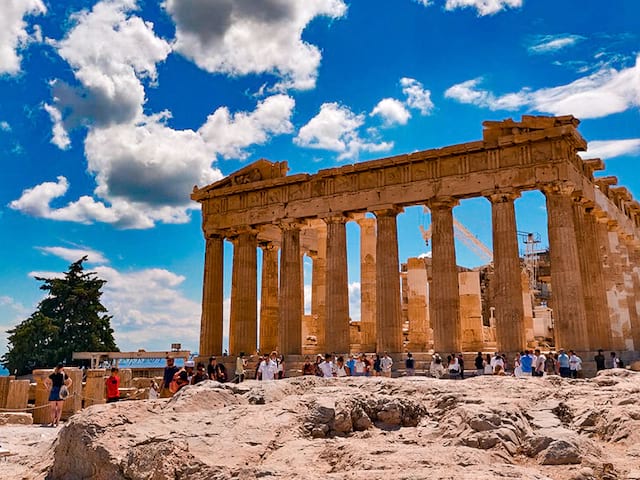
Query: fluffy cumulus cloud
{"points": [[392, 112], [75, 254], [602, 93], [417, 97], [484, 7], [542, 44], [235, 37], [336, 128], [13, 31], [612, 148]]}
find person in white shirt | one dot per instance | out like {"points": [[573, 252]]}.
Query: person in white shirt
{"points": [[436, 369], [326, 367], [538, 365], [385, 363], [360, 367], [268, 369], [497, 361], [575, 364]]}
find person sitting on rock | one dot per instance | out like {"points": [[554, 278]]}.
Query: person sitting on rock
{"points": [[169, 371], [308, 368], [182, 380], [454, 367], [436, 369], [496, 361], [216, 370], [200, 374]]}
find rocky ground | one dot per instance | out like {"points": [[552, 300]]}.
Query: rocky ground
{"points": [[354, 428]]}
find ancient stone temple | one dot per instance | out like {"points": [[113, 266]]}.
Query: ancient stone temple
{"points": [[593, 230]]}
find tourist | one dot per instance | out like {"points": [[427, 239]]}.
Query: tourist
{"points": [[385, 365], [479, 364], [268, 369], [216, 370], [517, 365], [318, 370], [368, 365], [377, 365], [563, 364], [113, 386], [436, 369], [167, 377], [351, 363], [241, 364], [307, 368], [154, 390], [575, 364], [360, 367], [341, 369], [599, 359], [526, 362], [189, 367], [54, 384], [461, 364], [499, 370], [200, 375], [615, 362], [488, 365], [551, 364], [410, 365], [182, 380], [538, 364], [497, 361], [454, 367], [280, 362], [326, 367]]}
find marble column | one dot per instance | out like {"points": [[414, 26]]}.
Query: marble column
{"points": [[610, 276], [243, 329], [595, 298], [290, 329], [212, 297], [510, 331], [630, 296], [417, 309], [337, 289], [319, 287], [388, 308], [570, 320], [634, 257], [368, 283], [444, 291], [269, 313]]}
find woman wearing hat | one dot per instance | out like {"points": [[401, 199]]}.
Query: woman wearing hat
{"points": [[57, 395]]}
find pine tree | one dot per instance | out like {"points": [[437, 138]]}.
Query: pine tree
{"points": [[69, 319]]}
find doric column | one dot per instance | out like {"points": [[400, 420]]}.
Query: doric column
{"points": [[337, 290], [388, 313], [510, 331], [444, 292], [634, 257], [319, 286], [595, 296], [290, 329], [269, 314], [243, 329], [417, 305], [570, 321], [629, 295], [212, 297], [368, 283]]}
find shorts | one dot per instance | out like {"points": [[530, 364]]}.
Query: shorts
{"points": [[54, 394]]}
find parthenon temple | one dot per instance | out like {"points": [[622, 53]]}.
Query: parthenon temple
{"points": [[593, 231]]}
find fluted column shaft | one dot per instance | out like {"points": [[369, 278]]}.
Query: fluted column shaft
{"points": [[337, 289], [417, 304], [319, 287], [444, 291], [212, 297], [610, 276], [269, 314], [243, 329], [510, 330], [368, 283], [570, 321], [388, 308], [290, 329], [634, 257]]}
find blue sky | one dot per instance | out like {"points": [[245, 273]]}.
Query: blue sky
{"points": [[111, 111]]}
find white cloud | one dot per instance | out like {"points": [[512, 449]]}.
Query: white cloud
{"points": [[484, 7], [13, 31], [426, 3], [75, 254], [238, 38], [612, 148], [417, 96], [4, 126], [60, 135], [229, 134], [392, 112], [542, 44], [602, 93], [354, 301], [335, 128]]}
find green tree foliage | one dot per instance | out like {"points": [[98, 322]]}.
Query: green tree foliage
{"points": [[69, 319]]}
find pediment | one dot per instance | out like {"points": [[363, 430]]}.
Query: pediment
{"points": [[257, 171]]}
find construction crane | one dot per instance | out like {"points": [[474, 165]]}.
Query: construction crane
{"points": [[465, 236]]}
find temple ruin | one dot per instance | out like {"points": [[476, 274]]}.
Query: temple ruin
{"points": [[594, 250]]}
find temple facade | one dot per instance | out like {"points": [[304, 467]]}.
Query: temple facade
{"points": [[594, 249]]}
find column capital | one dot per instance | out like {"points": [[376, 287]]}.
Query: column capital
{"points": [[288, 224], [501, 196], [442, 203], [387, 211], [267, 245], [335, 217], [215, 234], [559, 188]]}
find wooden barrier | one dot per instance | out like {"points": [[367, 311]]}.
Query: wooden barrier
{"points": [[94, 389], [18, 395], [4, 389], [41, 415]]}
